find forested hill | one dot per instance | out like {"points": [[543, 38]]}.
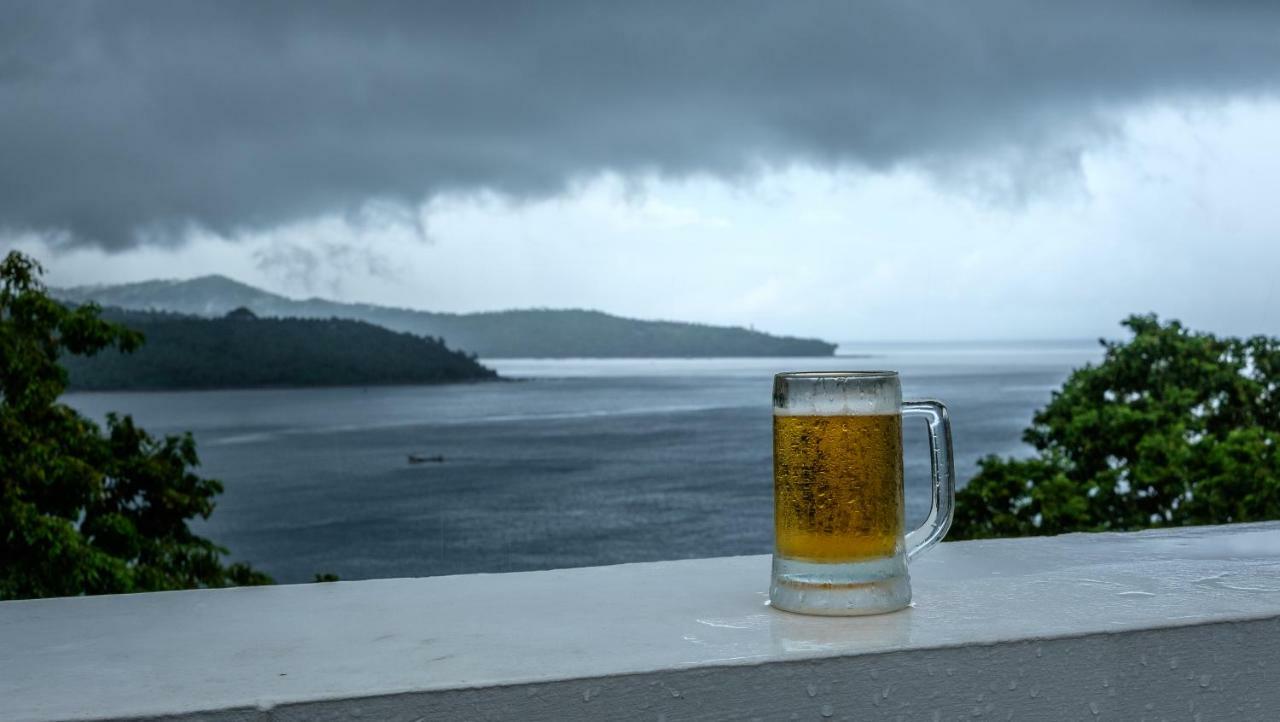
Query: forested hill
{"points": [[543, 333], [241, 351]]}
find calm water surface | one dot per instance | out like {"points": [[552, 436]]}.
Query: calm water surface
{"points": [[580, 462]]}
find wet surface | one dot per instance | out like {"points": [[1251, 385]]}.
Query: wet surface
{"points": [[364, 638]]}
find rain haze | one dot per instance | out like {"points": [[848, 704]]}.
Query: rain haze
{"points": [[859, 173], [589, 345], [847, 170]]}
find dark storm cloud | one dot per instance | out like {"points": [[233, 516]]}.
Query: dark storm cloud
{"points": [[127, 122]]}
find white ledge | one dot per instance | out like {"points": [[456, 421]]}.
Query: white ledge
{"points": [[1145, 624]]}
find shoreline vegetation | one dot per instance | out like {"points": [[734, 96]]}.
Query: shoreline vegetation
{"points": [[241, 351], [89, 508], [526, 333]]}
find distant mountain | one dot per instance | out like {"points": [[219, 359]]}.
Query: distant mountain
{"points": [[538, 333], [241, 351]]}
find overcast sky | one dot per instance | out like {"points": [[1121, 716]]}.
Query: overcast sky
{"points": [[849, 170]]}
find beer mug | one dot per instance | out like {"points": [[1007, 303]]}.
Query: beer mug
{"points": [[840, 546]]}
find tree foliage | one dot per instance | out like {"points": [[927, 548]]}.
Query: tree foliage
{"points": [[1172, 428], [242, 351], [83, 511]]}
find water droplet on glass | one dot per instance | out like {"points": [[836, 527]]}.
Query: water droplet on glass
{"points": [[812, 690], [1093, 707], [828, 710]]}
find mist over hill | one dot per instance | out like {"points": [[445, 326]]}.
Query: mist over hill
{"points": [[531, 333], [241, 351]]}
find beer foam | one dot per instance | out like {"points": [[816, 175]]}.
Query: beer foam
{"points": [[837, 393]]}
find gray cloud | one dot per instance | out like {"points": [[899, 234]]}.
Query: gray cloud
{"points": [[322, 265], [132, 122]]}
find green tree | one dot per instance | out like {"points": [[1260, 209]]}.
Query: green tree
{"points": [[1172, 428], [83, 511]]}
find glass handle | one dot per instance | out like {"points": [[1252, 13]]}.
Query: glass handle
{"points": [[935, 526]]}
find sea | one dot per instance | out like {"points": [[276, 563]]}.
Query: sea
{"points": [[569, 462]]}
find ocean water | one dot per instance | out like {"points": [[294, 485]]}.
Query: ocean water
{"points": [[572, 463]]}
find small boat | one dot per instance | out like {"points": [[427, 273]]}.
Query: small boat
{"points": [[421, 459]]}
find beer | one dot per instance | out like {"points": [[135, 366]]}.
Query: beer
{"points": [[841, 547], [837, 487]]}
